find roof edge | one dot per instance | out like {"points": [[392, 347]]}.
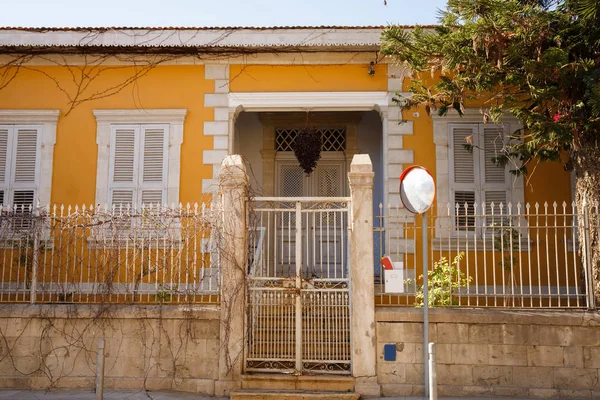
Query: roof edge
{"points": [[184, 28]]}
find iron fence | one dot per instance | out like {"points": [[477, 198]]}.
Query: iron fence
{"points": [[154, 254], [488, 255]]}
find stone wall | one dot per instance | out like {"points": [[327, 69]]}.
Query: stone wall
{"points": [[152, 347], [492, 353]]}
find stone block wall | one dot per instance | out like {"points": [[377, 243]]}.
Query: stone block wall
{"points": [[492, 353], [146, 347]]}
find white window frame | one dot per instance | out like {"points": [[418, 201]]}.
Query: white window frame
{"points": [[479, 185], [46, 122], [172, 119], [444, 170]]}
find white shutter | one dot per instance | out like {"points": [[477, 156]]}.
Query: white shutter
{"points": [[23, 198], [26, 156], [123, 179], [465, 218], [25, 162], [139, 165], [153, 184], [474, 177], [121, 198], [463, 159], [4, 163], [495, 183], [495, 197], [464, 174], [124, 156], [493, 139]]}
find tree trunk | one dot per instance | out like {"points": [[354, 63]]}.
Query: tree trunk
{"points": [[587, 190]]}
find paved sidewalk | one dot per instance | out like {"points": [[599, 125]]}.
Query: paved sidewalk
{"points": [[113, 395], [108, 395]]}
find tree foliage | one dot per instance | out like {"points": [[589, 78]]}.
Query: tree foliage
{"points": [[537, 59]]}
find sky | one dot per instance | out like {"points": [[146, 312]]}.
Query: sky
{"points": [[197, 13]]}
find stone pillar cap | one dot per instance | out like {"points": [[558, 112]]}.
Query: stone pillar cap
{"points": [[361, 163], [232, 159], [233, 163]]}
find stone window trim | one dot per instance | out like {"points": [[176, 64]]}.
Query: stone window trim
{"points": [[444, 157], [48, 120], [106, 119]]}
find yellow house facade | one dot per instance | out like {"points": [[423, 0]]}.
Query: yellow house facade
{"points": [[112, 121]]}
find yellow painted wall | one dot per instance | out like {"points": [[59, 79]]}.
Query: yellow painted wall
{"points": [[75, 156], [182, 86], [306, 78]]}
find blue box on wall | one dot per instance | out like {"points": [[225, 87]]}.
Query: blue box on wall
{"points": [[389, 352]]}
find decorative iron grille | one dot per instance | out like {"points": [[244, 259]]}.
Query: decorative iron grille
{"points": [[334, 139], [299, 326]]}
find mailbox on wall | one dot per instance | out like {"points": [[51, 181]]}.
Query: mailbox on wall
{"points": [[393, 275]]}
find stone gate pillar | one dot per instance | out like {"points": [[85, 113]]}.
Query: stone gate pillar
{"points": [[364, 367], [233, 185]]}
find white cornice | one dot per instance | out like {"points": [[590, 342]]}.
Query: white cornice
{"points": [[308, 101], [148, 116], [322, 57], [29, 116], [205, 38]]}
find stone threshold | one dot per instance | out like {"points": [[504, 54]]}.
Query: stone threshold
{"points": [[281, 382], [292, 395]]}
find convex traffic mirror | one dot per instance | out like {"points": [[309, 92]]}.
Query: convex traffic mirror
{"points": [[417, 189]]}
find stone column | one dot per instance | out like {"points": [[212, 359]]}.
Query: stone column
{"points": [[233, 185], [364, 358]]}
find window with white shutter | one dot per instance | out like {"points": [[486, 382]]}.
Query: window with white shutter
{"points": [[474, 176], [138, 165], [19, 164]]}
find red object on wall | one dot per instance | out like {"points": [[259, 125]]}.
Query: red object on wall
{"points": [[387, 263]]}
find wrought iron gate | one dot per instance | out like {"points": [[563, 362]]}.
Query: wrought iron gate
{"points": [[298, 311]]}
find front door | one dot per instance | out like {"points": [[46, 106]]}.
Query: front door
{"points": [[324, 257]]}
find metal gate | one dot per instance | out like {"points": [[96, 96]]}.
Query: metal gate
{"points": [[298, 311]]}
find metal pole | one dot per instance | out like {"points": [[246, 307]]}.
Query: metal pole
{"points": [[298, 299], [100, 370], [432, 373], [425, 303], [591, 300], [35, 262]]}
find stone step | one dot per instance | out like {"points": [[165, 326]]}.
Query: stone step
{"points": [[291, 395], [281, 383]]}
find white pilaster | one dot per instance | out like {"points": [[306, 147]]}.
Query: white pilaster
{"points": [[397, 158], [219, 128]]}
